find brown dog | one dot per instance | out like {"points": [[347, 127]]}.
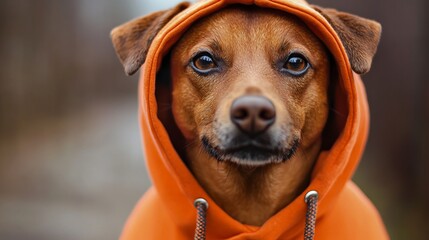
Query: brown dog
{"points": [[254, 97], [250, 93]]}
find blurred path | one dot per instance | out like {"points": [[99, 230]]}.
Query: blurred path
{"points": [[73, 177]]}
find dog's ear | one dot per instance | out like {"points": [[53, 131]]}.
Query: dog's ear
{"points": [[132, 40], [359, 36]]}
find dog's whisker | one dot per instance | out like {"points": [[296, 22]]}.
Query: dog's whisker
{"points": [[164, 108], [332, 109], [337, 112], [190, 144]]}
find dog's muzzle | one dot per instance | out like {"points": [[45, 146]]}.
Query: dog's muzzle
{"points": [[251, 140]]}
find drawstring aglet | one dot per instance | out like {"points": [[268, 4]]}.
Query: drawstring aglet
{"points": [[311, 199], [200, 231]]}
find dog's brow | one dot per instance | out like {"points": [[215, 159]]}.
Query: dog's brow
{"points": [[284, 46], [215, 45]]}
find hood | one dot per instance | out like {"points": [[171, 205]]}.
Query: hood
{"points": [[344, 138]]}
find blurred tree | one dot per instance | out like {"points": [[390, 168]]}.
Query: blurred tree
{"points": [[54, 60]]}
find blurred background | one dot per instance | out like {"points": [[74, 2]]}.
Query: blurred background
{"points": [[70, 160]]}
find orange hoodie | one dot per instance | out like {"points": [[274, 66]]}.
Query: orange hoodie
{"points": [[166, 211]]}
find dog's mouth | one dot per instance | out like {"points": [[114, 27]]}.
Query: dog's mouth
{"points": [[251, 152]]}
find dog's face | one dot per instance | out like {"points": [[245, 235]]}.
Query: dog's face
{"points": [[250, 85]]}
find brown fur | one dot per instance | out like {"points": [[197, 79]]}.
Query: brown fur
{"points": [[201, 106], [250, 41], [132, 39], [360, 36]]}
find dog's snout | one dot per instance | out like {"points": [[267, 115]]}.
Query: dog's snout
{"points": [[253, 114]]}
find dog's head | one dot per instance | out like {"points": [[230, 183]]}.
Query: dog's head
{"points": [[250, 85]]}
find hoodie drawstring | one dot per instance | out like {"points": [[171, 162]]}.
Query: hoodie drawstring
{"points": [[310, 216], [200, 231], [311, 199]]}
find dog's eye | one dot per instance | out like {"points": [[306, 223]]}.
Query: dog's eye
{"points": [[203, 63], [296, 65]]}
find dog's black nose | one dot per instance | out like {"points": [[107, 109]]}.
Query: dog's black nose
{"points": [[253, 114]]}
